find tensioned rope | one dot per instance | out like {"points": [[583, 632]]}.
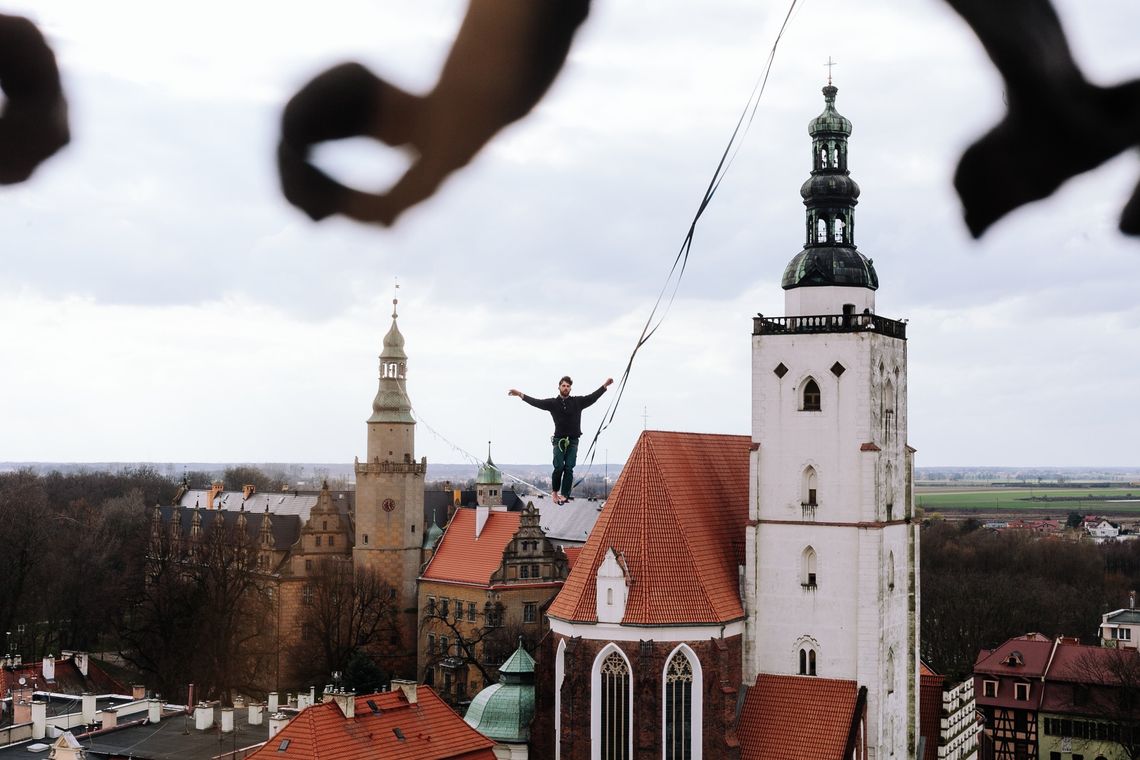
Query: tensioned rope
{"points": [[681, 260], [676, 271]]}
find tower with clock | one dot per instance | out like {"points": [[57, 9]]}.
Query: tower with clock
{"points": [[390, 493]]}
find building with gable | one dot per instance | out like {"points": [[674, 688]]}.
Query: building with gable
{"points": [[785, 562], [1121, 628], [486, 585]]}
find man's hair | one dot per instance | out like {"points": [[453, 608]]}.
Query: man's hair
{"points": [[566, 379]]}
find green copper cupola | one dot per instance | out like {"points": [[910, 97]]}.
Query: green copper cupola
{"points": [[829, 257], [391, 403]]}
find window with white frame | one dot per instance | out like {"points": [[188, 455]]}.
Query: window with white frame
{"points": [[1021, 692], [615, 708], [679, 708]]}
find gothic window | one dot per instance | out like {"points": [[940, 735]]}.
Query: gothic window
{"points": [[811, 396], [807, 568], [807, 661], [559, 676], [810, 488], [679, 708], [891, 571], [889, 489], [890, 671], [615, 734]]}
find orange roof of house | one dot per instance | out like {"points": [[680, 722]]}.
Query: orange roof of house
{"points": [[572, 553], [430, 729], [461, 557], [677, 514], [798, 718]]}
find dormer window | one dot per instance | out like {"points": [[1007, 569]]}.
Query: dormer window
{"points": [[1021, 692], [1014, 659]]}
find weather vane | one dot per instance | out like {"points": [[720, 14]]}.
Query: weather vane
{"points": [[829, 64]]}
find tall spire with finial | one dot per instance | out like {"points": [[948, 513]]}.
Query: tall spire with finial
{"points": [[391, 403], [829, 257]]}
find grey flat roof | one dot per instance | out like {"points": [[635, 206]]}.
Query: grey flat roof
{"points": [[174, 738]]}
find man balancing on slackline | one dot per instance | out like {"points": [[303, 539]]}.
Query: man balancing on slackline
{"points": [[567, 413]]}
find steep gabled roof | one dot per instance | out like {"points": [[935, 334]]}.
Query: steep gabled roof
{"points": [[677, 517], [1022, 656], [462, 557], [397, 730], [798, 718]]}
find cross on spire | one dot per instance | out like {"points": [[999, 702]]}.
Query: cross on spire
{"points": [[829, 64], [395, 298]]}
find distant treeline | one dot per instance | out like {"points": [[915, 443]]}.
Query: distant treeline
{"points": [[982, 587]]}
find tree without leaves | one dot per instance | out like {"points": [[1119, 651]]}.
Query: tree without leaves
{"points": [[347, 613], [482, 647]]}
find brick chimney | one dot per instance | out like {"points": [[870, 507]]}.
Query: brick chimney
{"points": [[344, 700], [215, 488], [138, 691], [22, 704], [247, 490]]}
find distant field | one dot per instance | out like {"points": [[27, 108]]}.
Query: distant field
{"points": [[1109, 500]]}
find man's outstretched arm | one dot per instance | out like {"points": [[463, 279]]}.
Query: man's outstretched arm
{"points": [[540, 403], [591, 398]]}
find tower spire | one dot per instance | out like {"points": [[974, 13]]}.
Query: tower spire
{"points": [[391, 403], [829, 256]]}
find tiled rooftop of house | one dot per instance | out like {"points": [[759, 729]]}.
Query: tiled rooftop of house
{"points": [[798, 718], [677, 514], [395, 730], [463, 557]]}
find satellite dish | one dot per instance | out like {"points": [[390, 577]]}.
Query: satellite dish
{"points": [[23, 680]]}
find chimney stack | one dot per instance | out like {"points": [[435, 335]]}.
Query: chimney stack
{"points": [[39, 719], [153, 710], [203, 716], [256, 713], [406, 686], [345, 700], [273, 704], [277, 721], [22, 704], [481, 515], [227, 720], [88, 700], [138, 691], [247, 490], [49, 668], [109, 718]]}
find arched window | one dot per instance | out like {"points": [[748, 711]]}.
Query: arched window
{"points": [[809, 490], [678, 721], [611, 707], [811, 396], [891, 571], [839, 226], [807, 661], [807, 568], [890, 671], [889, 489], [821, 231], [559, 676]]}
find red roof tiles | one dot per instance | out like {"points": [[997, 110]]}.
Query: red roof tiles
{"points": [[677, 514], [798, 718], [430, 730], [463, 558]]}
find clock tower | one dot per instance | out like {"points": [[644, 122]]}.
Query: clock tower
{"points": [[390, 494]]}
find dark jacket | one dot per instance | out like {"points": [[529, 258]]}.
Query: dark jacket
{"points": [[567, 412]]}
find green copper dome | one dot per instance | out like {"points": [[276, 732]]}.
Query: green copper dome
{"points": [[489, 474], [830, 121], [432, 535], [830, 256], [503, 711]]}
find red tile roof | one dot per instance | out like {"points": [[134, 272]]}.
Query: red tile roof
{"points": [[572, 553], [677, 513], [798, 718], [929, 709], [463, 558], [431, 731]]}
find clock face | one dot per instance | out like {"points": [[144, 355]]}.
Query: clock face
{"points": [[389, 505]]}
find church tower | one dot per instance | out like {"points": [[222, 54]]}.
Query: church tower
{"points": [[390, 492], [831, 581]]}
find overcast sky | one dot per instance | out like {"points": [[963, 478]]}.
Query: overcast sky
{"points": [[159, 300]]}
